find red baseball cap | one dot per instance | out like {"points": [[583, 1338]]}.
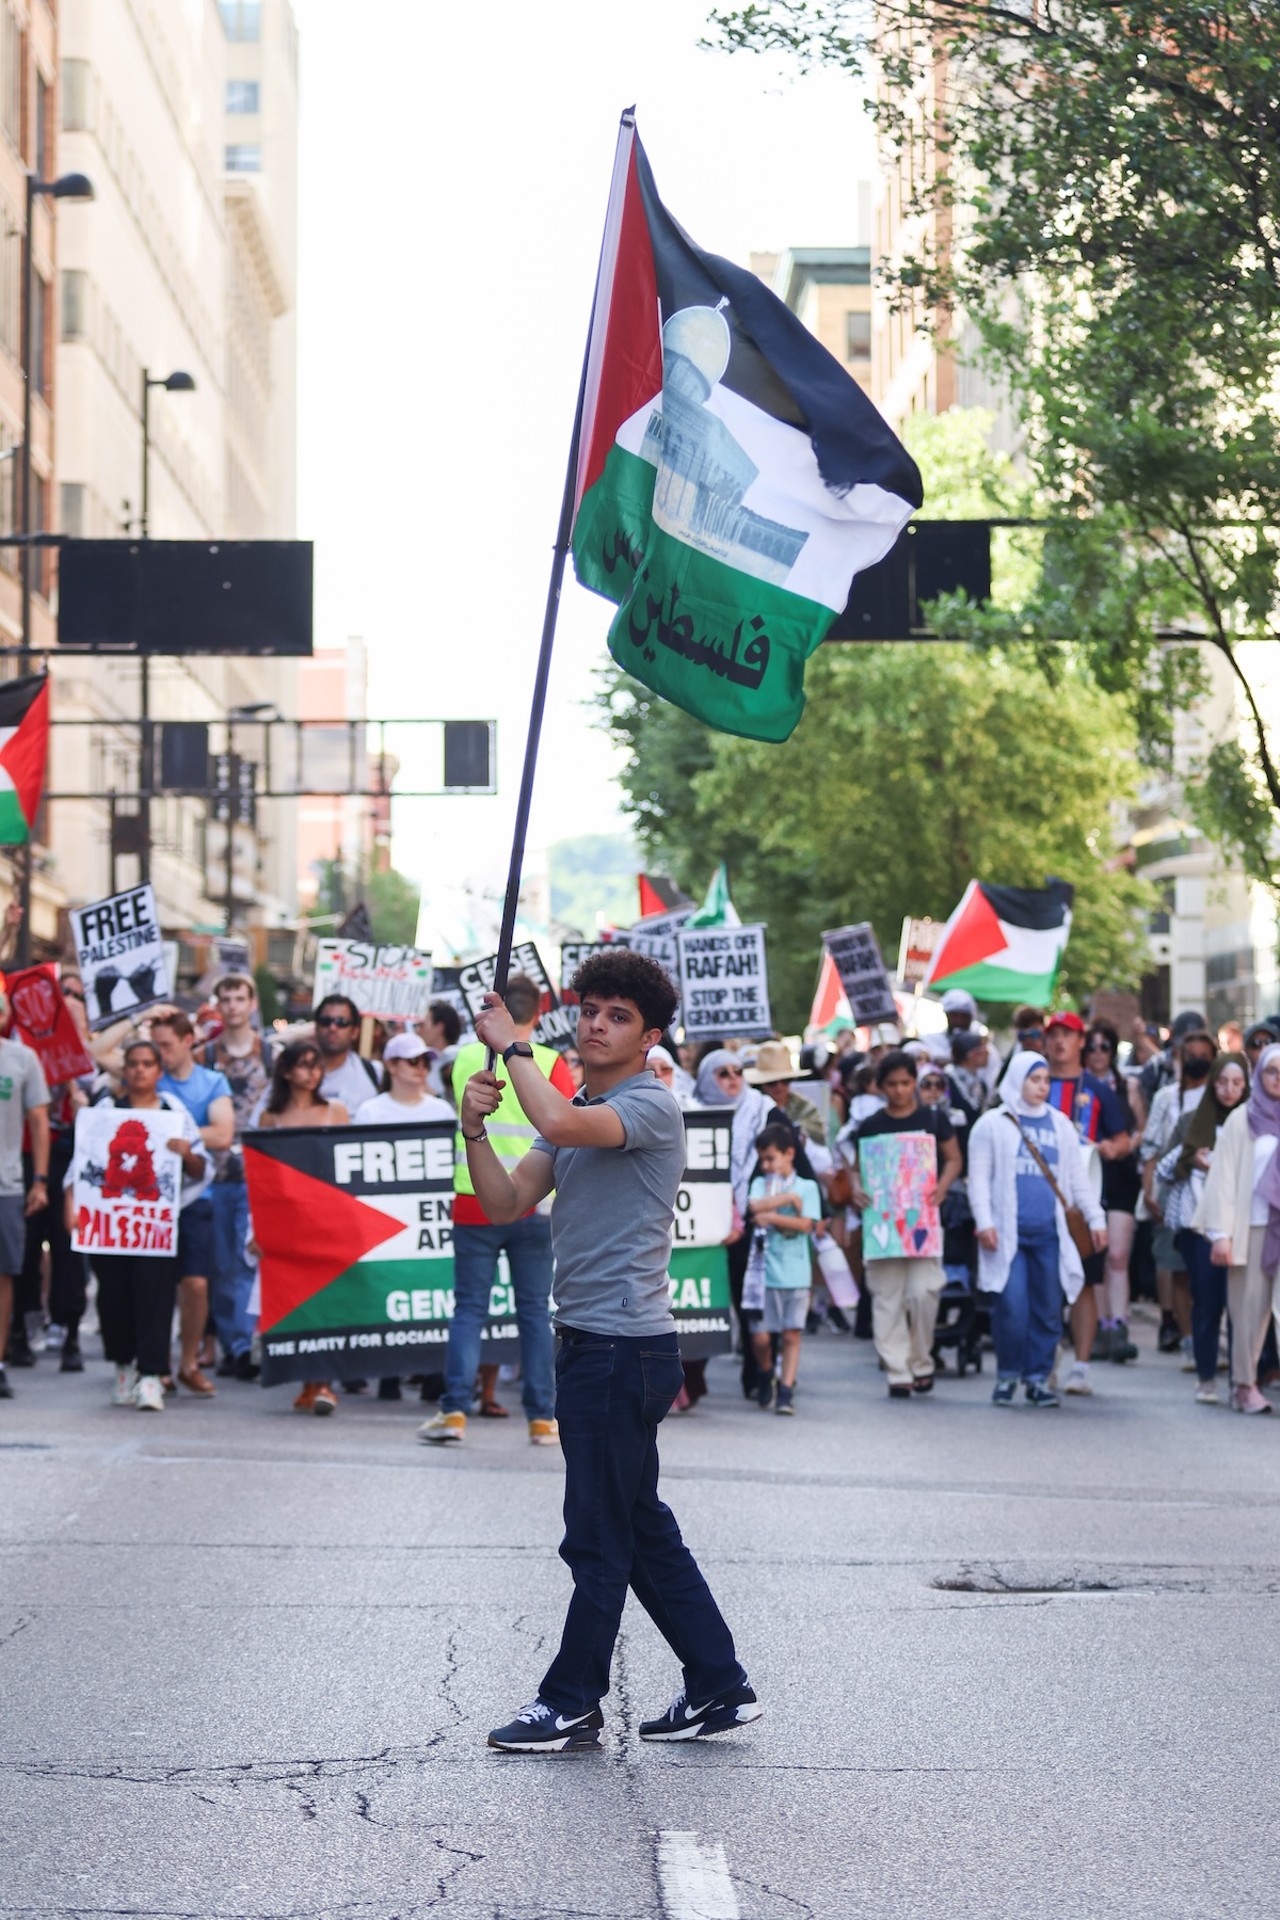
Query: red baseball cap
{"points": [[1072, 1021]]}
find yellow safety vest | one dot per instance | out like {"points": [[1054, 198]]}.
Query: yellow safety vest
{"points": [[510, 1134]]}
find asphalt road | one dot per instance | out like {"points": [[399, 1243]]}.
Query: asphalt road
{"points": [[1012, 1663]]}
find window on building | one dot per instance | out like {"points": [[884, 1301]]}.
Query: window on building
{"points": [[75, 303], [42, 159], [10, 288], [242, 96], [241, 19], [857, 336], [243, 157], [39, 335], [72, 496], [76, 116], [10, 75]]}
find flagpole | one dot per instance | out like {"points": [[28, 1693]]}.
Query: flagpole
{"points": [[560, 554]]}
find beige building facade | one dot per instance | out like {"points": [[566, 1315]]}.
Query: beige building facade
{"points": [[185, 262]]}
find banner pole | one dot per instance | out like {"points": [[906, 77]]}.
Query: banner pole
{"points": [[542, 677]]}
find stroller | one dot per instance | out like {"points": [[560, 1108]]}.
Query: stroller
{"points": [[964, 1317]]}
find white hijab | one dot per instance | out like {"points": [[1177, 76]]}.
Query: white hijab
{"points": [[1015, 1075]]}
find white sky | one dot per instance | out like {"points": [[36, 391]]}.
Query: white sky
{"points": [[454, 169]]}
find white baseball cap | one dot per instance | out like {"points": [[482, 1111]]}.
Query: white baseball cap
{"points": [[405, 1046]]}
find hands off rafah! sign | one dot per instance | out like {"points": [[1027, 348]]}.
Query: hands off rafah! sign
{"points": [[120, 955], [724, 982]]}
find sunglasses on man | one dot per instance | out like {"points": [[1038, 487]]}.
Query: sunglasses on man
{"points": [[332, 1020]]}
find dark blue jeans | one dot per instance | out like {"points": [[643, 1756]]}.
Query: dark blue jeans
{"points": [[1026, 1319], [610, 1396], [527, 1245], [231, 1282], [1208, 1299]]}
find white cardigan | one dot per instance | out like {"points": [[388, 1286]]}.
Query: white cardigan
{"points": [[993, 1196], [1227, 1201]]}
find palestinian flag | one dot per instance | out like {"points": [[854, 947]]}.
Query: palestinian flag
{"points": [[830, 1010], [1004, 943], [24, 748], [731, 477], [659, 894]]}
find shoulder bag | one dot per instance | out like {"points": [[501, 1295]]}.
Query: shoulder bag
{"points": [[1077, 1226]]}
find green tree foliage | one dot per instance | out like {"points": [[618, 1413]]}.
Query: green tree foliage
{"points": [[591, 875], [1106, 180], [913, 771], [393, 901]]}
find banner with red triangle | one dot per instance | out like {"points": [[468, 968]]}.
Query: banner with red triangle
{"points": [[24, 752]]}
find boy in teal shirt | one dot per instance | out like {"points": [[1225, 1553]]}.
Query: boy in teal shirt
{"points": [[788, 1208]]}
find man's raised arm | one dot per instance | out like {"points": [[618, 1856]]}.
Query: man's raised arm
{"points": [[556, 1118]]}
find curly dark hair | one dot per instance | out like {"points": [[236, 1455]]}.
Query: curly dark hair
{"points": [[619, 974]]}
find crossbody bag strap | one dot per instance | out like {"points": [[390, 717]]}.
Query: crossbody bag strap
{"points": [[1039, 1159]]}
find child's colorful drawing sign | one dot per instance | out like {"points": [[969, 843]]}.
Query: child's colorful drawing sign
{"points": [[900, 1173]]}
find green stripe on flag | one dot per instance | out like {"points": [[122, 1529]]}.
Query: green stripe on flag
{"points": [[726, 646], [986, 982], [14, 831]]}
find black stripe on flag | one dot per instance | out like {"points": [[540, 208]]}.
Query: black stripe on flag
{"points": [[1037, 908], [775, 362]]}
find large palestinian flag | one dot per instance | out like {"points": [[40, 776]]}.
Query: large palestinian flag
{"points": [[24, 748], [732, 478], [1004, 943]]}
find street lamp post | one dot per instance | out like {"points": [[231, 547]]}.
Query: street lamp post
{"points": [[68, 186], [172, 383]]}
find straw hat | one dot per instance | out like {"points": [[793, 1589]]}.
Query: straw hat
{"points": [[773, 1062]]}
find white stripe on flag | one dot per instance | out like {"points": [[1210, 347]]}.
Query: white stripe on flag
{"points": [[846, 533], [1029, 949]]}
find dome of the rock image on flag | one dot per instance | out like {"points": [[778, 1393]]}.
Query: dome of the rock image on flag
{"points": [[732, 477]]}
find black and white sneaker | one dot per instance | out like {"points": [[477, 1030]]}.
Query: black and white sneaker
{"points": [[683, 1720], [538, 1728]]}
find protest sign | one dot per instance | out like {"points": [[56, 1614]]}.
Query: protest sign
{"points": [[856, 954], [557, 1026], [120, 955], [445, 986], [42, 1020], [386, 982], [724, 982], [920, 941], [127, 1182], [572, 955], [900, 1172], [355, 1228]]}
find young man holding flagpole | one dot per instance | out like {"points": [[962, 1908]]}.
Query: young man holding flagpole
{"points": [[726, 480], [614, 1156]]}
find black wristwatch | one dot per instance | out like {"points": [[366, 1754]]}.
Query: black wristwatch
{"points": [[521, 1047]]}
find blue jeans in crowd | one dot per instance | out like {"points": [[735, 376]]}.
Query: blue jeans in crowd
{"points": [[610, 1396], [527, 1245], [1026, 1319], [231, 1281], [1208, 1299]]}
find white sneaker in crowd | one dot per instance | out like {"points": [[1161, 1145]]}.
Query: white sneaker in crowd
{"points": [[124, 1392], [1077, 1380], [149, 1394]]}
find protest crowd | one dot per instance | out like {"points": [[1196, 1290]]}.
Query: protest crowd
{"points": [[961, 1198]]}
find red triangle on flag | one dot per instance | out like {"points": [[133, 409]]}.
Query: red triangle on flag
{"points": [[830, 999], [309, 1233], [23, 757], [624, 369], [975, 934]]}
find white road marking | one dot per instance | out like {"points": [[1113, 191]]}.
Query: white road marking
{"points": [[695, 1878]]}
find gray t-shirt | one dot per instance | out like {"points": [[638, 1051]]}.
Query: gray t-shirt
{"points": [[22, 1085], [352, 1082], [612, 1217]]}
